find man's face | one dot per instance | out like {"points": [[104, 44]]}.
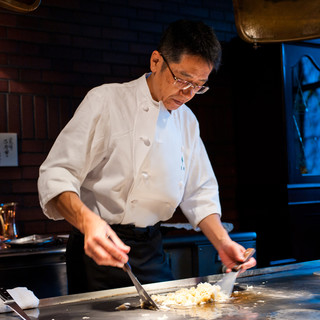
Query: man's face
{"points": [[162, 83]]}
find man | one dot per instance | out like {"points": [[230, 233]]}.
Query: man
{"points": [[130, 155]]}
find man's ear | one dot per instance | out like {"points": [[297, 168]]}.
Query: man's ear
{"points": [[155, 61]]}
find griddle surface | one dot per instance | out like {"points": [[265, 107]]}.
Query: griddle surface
{"points": [[285, 293]]}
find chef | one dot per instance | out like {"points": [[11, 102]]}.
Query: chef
{"points": [[132, 154]]}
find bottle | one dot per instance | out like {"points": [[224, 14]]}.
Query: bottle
{"points": [[8, 220]]}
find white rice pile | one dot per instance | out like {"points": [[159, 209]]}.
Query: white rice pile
{"points": [[203, 293]]}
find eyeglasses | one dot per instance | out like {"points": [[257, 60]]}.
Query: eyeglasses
{"points": [[183, 84]]}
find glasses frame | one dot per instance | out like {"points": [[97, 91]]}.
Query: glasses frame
{"points": [[195, 89]]}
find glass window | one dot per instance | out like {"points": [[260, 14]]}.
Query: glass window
{"points": [[306, 115]]}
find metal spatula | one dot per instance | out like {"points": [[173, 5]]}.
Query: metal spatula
{"points": [[8, 300], [228, 280], [147, 302], [146, 299]]}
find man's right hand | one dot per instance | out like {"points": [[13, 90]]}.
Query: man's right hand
{"points": [[101, 243]]}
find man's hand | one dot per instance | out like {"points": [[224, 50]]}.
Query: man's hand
{"points": [[230, 252], [97, 233], [103, 245]]}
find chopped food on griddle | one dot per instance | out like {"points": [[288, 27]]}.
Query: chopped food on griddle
{"points": [[203, 293]]}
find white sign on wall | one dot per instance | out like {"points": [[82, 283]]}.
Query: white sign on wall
{"points": [[8, 150]]}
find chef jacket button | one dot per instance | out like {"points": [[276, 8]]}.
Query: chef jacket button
{"points": [[134, 201], [145, 175], [182, 148], [146, 141], [146, 108], [180, 184]]}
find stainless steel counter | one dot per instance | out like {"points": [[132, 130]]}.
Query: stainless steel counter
{"points": [[41, 268], [285, 292]]}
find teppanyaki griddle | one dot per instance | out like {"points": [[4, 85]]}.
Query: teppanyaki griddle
{"points": [[285, 292]]}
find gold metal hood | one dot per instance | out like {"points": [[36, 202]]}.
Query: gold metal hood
{"points": [[262, 21], [23, 6]]}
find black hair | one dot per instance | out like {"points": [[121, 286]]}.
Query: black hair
{"points": [[193, 38]]}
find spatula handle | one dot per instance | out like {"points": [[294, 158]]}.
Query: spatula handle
{"points": [[247, 255]]}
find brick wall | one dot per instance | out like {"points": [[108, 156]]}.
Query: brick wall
{"points": [[51, 57]]}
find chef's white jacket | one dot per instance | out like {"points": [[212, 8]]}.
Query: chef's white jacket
{"points": [[130, 160]]}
